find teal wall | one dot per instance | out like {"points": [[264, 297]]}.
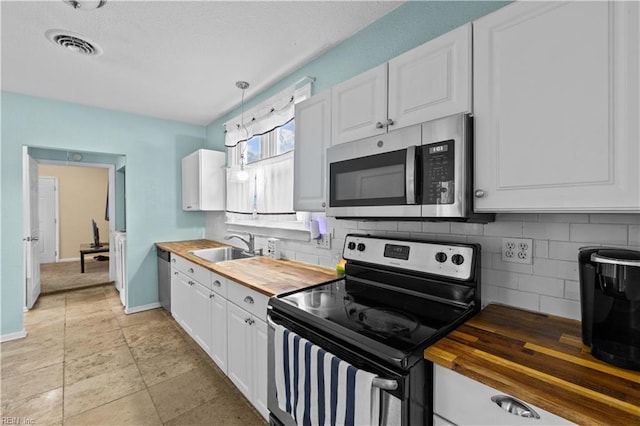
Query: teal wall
{"points": [[153, 149], [406, 27]]}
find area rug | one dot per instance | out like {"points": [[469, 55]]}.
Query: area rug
{"points": [[61, 276]]}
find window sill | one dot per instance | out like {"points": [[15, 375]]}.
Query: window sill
{"points": [[292, 230]]}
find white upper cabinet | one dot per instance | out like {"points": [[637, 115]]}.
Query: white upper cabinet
{"points": [[203, 180], [359, 106], [431, 81], [556, 92], [428, 82], [313, 137]]}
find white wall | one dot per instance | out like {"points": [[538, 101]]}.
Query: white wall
{"points": [[549, 285]]}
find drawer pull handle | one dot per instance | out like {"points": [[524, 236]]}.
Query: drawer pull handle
{"points": [[515, 407], [248, 300], [249, 321], [175, 273], [173, 260], [191, 283], [217, 283], [211, 296], [191, 270]]}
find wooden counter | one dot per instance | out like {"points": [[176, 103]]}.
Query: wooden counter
{"points": [[261, 273], [540, 359]]}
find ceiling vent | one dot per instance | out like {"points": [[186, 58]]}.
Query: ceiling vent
{"points": [[74, 42]]}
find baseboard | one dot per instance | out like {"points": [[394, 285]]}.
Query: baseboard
{"points": [[69, 259], [13, 336], [142, 308]]}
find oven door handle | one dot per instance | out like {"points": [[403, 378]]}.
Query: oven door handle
{"points": [[378, 382], [410, 176]]}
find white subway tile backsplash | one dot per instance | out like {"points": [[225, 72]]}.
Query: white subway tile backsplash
{"points": [[572, 290], [546, 231], [436, 227], [410, 226], [560, 269], [549, 285], [516, 217], [564, 250], [503, 229], [615, 218], [564, 218], [519, 299], [541, 285], [560, 307], [499, 278], [600, 234], [540, 248], [467, 228]]}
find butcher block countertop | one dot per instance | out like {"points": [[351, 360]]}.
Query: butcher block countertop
{"points": [[540, 359], [261, 273]]}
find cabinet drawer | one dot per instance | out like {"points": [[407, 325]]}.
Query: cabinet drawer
{"points": [[219, 284], [464, 401], [247, 299], [196, 272]]}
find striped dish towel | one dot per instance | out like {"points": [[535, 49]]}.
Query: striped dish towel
{"points": [[317, 388]]}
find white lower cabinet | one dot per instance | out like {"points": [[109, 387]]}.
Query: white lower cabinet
{"points": [[459, 400], [247, 344], [228, 320]]}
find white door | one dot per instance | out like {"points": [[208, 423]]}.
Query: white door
{"points": [[48, 217], [180, 290], [359, 106], [31, 231], [260, 366], [219, 332], [200, 317]]}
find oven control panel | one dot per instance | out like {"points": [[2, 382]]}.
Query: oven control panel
{"points": [[438, 258]]}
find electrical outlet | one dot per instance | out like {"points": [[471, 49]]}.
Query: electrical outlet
{"points": [[324, 241], [517, 250]]}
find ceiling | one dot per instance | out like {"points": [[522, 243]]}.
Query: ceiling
{"points": [[176, 60]]}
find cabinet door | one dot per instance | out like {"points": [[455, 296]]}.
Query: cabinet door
{"points": [[219, 331], [556, 107], [431, 81], [359, 106], [200, 318], [212, 180], [180, 290], [191, 182], [260, 386], [239, 349], [313, 137]]}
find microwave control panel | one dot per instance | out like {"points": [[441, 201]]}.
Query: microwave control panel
{"points": [[439, 172]]}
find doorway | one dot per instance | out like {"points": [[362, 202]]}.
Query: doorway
{"points": [[104, 201]]}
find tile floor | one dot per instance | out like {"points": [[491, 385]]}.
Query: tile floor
{"points": [[84, 362]]}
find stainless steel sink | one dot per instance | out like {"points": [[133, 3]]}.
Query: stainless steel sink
{"points": [[220, 254]]}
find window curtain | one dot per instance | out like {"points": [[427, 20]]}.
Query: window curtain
{"points": [[269, 188], [269, 115]]}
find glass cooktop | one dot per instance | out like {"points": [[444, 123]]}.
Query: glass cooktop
{"points": [[363, 312]]}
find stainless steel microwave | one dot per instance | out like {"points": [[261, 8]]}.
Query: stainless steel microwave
{"points": [[420, 172]]}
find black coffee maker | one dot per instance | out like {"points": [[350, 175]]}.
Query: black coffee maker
{"points": [[610, 298]]}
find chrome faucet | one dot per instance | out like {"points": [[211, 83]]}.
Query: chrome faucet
{"points": [[250, 243]]}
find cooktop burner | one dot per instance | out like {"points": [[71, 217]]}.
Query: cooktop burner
{"points": [[383, 321]]}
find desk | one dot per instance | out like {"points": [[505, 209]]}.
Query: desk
{"points": [[87, 249]]}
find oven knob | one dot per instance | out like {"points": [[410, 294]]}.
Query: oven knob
{"points": [[360, 247], [351, 245], [441, 257], [457, 259]]}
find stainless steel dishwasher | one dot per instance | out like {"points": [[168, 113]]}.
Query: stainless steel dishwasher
{"points": [[164, 278]]}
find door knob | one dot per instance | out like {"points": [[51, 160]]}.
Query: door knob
{"points": [[389, 122], [379, 125], [479, 193]]}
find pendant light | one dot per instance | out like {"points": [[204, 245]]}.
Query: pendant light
{"points": [[242, 175]]}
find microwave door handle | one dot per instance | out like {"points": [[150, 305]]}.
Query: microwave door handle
{"points": [[410, 177]]}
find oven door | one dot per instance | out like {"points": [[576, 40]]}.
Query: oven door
{"points": [[394, 394], [375, 177]]}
